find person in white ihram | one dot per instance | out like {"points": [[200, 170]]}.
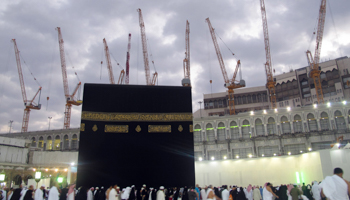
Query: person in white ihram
{"points": [[113, 194], [39, 194], [160, 193], [53, 194], [210, 193], [335, 187]]}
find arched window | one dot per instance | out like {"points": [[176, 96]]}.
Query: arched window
{"points": [[260, 130], [49, 143], [75, 142], [197, 133], [339, 120], [312, 122], [271, 126], [41, 142], [297, 124], [246, 129], [285, 125], [324, 121], [33, 142], [66, 142], [234, 130], [221, 132], [57, 143], [210, 132]]}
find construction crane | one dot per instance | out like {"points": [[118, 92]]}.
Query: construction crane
{"points": [[186, 62], [109, 64], [127, 60], [315, 70], [70, 99], [230, 84], [29, 104], [268, 65], [149, 81]]}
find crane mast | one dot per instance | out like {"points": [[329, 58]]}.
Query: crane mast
{"points": [[127, 60], [268, 65], [186, 62], [109, 64], [70, 99], [229, 83], [29, 104], [149, 81], [314, 64]]}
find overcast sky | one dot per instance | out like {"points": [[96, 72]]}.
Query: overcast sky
{"points": [[84, 24]]}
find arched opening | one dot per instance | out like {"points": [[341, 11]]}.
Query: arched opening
{"points": [[17, 179], [297, 124], [49, 143], [234, 130], [41, 142], [66, 142], [33, 142], [57, 143], [324, 121], [260, 130], [210, 132], [339, 120], [285, 125], [221, 131], [75, 142], [246, 129], [271, 126], [197, 133], [312, 122]]}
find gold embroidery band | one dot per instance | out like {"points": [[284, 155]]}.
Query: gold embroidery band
{"points": [[127, 117], [159, 128], [117, 128], [82, 127]]}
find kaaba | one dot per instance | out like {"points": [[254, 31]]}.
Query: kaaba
{"points": [[135, 135]]}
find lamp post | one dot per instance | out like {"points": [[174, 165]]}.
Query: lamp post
{"points": [[49, 121], [37, 178], [200, 107], [10, 122]]}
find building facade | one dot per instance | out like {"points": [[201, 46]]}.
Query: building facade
{"points": [[293, 89]]}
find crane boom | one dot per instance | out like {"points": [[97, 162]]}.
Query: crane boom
{"points": [[218, 53], [315, 70], [29, 104], [144, 48], [20, 74], [229, 84], [63, 63], [127, 60], [186, 62], [109, 64], [268, 65], [70, 99]]}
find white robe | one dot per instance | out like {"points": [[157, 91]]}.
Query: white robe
{"points": [[225, 194], [53, 194], [112, 194], [90, 196], [316, 191], [23, 193], [335, 188], [249, 195], [160, 195], [203, 194], [4, 195], [70, 196], [10, 195], [38, 194], [257, 194], [267, 195]]}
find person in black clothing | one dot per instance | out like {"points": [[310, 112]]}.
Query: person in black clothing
{"points": [[16, 193], [63, 195], [29, 193], [217, 192], [101, 194], [176, 193], [82, 194], [185, 194], [241, 194], [282, 192], [233, 192], [132, 194]]}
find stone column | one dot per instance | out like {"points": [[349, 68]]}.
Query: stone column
{"points": [[265, 128]]}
